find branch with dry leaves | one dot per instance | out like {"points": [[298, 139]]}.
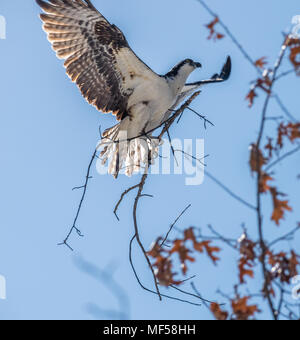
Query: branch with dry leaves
{"points": [[278, 268]]}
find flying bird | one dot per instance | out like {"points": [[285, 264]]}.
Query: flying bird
{"points": [[115, 80]]}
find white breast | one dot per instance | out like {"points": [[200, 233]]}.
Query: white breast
{"points": [[158, 98]]}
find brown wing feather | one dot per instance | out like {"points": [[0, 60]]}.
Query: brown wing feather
{"points": [[89, 44]]}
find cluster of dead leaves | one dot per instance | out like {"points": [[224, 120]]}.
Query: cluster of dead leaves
{"points": [[264, 83], [290, 131], [247, 258], [283, 266], [163, 256], [213, 34], [294, 45], [258, 160], [241, 310]]}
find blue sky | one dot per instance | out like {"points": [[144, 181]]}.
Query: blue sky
{"points": [[48, 134]]}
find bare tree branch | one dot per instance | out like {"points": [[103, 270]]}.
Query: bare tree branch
{"points": [[74, 227], [173, 224]]}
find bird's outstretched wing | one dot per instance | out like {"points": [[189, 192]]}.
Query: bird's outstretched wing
{"points": [[217, 78], [97, 55]]}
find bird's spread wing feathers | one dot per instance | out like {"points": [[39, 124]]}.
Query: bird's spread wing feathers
{"points": [[97, 55], [216, 78], [188, 89]]}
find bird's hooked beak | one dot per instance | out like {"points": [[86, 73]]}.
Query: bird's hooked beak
{"points": [[197, 65]]}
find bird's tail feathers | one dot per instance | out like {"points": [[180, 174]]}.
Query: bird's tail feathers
{"points": [[126, 154]]}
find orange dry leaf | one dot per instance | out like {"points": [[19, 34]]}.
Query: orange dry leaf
{"points": [[257, 160], [294, 131], [295, 54], [164, 272], [190, 235], [217, 312], [243, 271], [211, 27], [270, 147], [261, 62], [263, 83], [209, 250], [251, 96], [163, 265], [183, 253], [219, 36], [201, 246], [263, 185], [282, 131], [212, 32], [294, 263], [248, 256], [291, 131], [241, 309], [279, 206], [156, 249]]}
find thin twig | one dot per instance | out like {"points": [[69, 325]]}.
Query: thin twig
{"points": [[193, 295], [284, 74], [288, 154], [88, 177], [259, 175], [220, 184], [202, 117], [198, 294], [172, 148], [173, 224], [284, 108], [286, 237], [193, 157], [171, 120], [126, 192], [137, 234], [222, 238]]}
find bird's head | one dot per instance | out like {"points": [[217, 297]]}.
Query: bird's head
{"points": [[185, 67], [191, 63]]}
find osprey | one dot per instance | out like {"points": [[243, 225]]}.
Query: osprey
{"points": [[113, 79]]}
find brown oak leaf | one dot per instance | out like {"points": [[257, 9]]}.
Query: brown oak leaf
{"points": [[261, 62], [280, 207], [242, 310], [218, 313], [257, 160]]}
